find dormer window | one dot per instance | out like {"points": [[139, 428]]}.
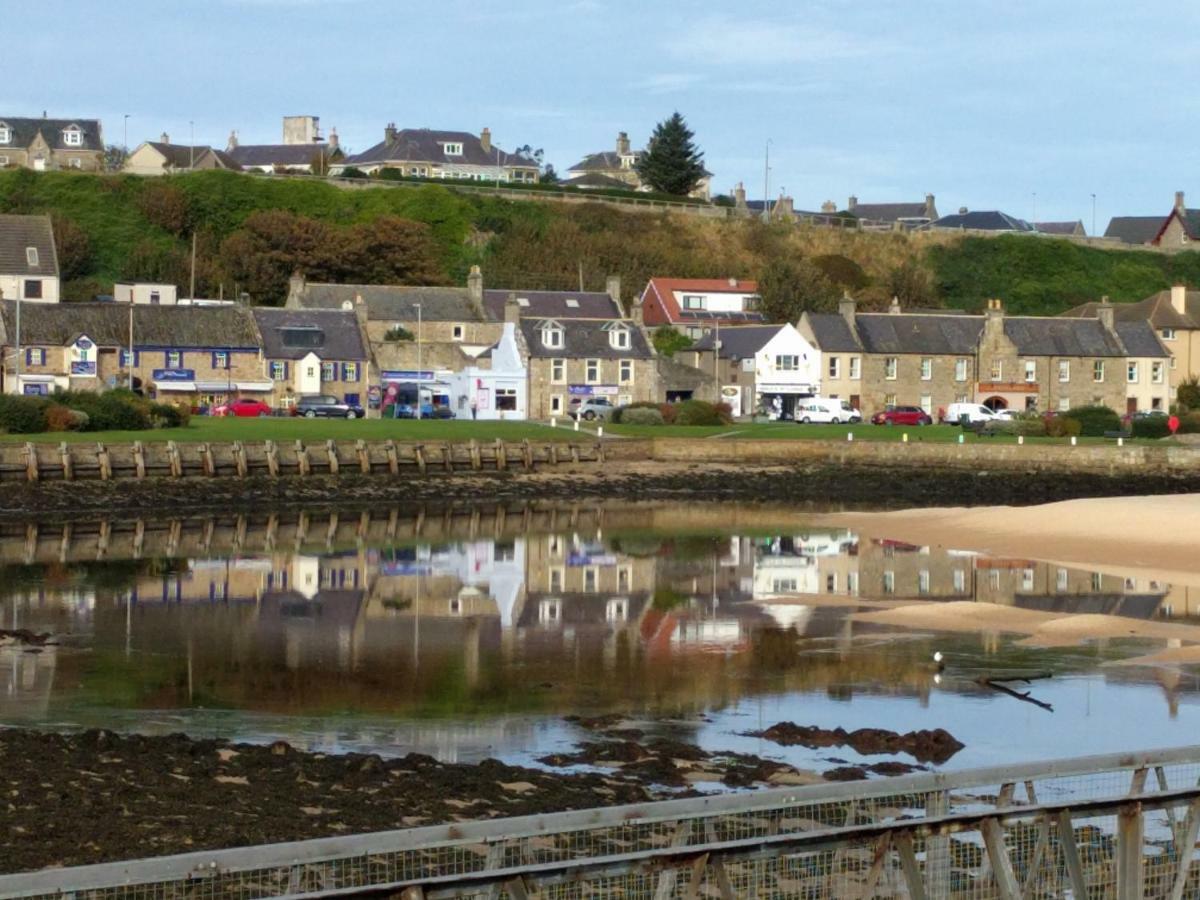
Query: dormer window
{"points": [[73, 137], [454, 148], [552, 335], [618, 338], [31, 257], [5, 134]]}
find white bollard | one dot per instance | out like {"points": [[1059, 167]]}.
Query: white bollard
{"points": [[962, 438], [850, 435], [904, 437], [1020, 439], [576, 424], [1074, 441], [1120, 442], [600, 431], [553, 422]]}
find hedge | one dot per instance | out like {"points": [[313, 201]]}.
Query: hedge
{"points": [[1150, 427], [642, 416], [1094, 421]]}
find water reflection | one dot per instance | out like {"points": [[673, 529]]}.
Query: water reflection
{"points": [[471, 632]]}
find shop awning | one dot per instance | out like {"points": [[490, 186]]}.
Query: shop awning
{"points": [[768, 388], [213, 386], [260, 386], [182, 387], [38, 379]]}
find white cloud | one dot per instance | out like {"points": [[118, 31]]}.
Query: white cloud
{"points": [[669, 82], [722, 40]]}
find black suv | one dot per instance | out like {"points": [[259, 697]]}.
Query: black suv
{"points": [[325, 406]]}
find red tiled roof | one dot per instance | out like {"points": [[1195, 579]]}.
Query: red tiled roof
{"points": [[660, 292]]}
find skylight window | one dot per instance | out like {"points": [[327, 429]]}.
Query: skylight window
{"points": [[572, 303], [31, 256], [522, 301]]}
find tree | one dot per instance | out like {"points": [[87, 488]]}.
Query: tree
{"points": [[114, 158], [790, 286], [911, 284], [1187, 395], [672, 164], [165, 205], [549, 176], [668, 341], [74, 249]]}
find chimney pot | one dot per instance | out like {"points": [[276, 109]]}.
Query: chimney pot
{"points": [[847, 307], [622, 143], [829, 207], [389, 133], [475, 287], [739, 196], [485, 139], [165, 138], [333, 138], [512, 309], [1179, 298], [1179, 201], [612, 286], [1106, 314], [852, 203], [962, 210]]}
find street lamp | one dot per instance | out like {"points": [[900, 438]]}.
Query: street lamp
{"points": [[419, 372], [192, 148], [1093, 215], [125, 141], [767, 181]]}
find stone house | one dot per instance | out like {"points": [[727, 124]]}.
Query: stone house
{"points": [[46, 144], [1180, 228], [451, 155], [303, 149], [991, 221], [1133, 229], [839, 352], [313, 351], [759, 367], [161, 157], [1061, 229], [902, 215], [201, 355], [618, 168], [28, 259]]}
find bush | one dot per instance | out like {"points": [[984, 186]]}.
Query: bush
{"points": [[1153, 427], [1187, 395], [669, 412], [700, 412], [1189, 423], [169, 415], [59, 418], [618, 414], [642, 416], [1094, 421], [22, 415], [117, 410], [1025, 427], [1061, 426]]}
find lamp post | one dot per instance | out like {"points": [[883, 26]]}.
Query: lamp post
{"points": [[767, 182], [1093, 215], [125, 140], [192, 147], [419, 372]]}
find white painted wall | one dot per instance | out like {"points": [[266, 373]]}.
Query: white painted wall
{"points": [[141, 293], [718, 301], [13, 286], [306, 375]]}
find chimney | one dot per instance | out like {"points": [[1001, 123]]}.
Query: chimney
{"points": [[993, 319], [389, 133], [852, 203], [1179, 201], [739, 196], [360, 314], [164, 138], [829, 207], [622, 144], [930, 208], [894, 306], [475, 287], [232, 145], [962, 210], [296, 290], [635, 313], [847, 307], [1106, 314], [612, 287], [333, 138], [784, 208], [512, 310], [1179, 298], [485, 139]]}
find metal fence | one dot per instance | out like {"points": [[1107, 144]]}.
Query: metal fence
{"points": [[1105, 826]]}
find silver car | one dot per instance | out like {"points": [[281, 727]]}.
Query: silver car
{"points": [[590, 408]]}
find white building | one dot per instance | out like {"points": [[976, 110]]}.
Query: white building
{"points": [[498, 392], [148, 294], [759, 367], [28, 259]]}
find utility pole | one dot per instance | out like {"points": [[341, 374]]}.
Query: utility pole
{"points": [[192, 147], [192, 283], [767, 182], [125, 141], [129, 359], [419, 372], [581, 276], [19, 390], [1093, 215]]}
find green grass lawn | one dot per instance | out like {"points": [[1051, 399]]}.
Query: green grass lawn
{"points": [[204, 428]]}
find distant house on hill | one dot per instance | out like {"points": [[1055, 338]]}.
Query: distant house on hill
{"points": [[302, 150], [1133, 229], [44, 144], [1067, 229], [620, 165], [907, 215], [452, 155], [983, 220], [161, 157], [1180, 228]]}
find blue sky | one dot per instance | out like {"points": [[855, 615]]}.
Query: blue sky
{"points": [[983, 103]]}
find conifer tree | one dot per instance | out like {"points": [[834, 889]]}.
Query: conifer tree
{"points": [[672, 164]]}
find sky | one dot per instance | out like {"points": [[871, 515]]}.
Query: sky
{"points": [[1023, 106]]}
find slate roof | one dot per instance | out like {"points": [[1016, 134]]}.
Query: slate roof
{"points": [[1134, 229], [20, 232], [397, 303], [57, 324], [1188, 218], [1140, 339], [25, 130], [1157, 309], [832, 333], [1075, 227], [932, 335], [181, 156], [277, 154], [983, 220], [889, 212], [1040, 336], [341, 336], [602, 162], [739, 341], [597, 181], [584, 339], [425, 145], [554, 304]]}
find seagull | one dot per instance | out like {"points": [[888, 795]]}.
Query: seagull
{"points": [[939, 660]]}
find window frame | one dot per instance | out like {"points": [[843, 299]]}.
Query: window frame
{"points": [[73, 137], [329, 371], [891, 368], [1030, 366], [1064, 371], [625, 371], [167, 357], [217, 363], [558, 370], [855, 368], [927, 368], [835, 367], [960, 369], [1098, 371], [1133, 372], [590, 376]]}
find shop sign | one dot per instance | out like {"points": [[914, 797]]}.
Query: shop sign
{"points": [[83, 369], [174, 374], [406, 375], [592, 390]]}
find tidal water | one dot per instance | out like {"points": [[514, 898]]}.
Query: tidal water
{"points": [[470, 633]]}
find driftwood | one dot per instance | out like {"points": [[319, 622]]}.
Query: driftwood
{"points": [[998, 683]]}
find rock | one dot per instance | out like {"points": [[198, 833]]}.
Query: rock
{"points": [[933, 745]]}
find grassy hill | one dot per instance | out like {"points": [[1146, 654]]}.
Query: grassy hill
{"points": [[252, 232]]}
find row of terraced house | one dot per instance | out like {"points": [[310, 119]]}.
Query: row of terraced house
{"points": [[514, 353]]}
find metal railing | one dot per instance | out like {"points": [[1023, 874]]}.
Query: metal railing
{"points": [[1120, 825]]}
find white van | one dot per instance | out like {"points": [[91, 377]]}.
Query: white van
{"points": [[972, 412], [824, 411]]}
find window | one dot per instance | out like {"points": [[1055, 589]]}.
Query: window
{"points": [[125, 359], [556, 404], [591, 579], [1131, 372], [960, 581], [787, 363], [302, 337], [5, 136], [506, 399], [1098, 371], [1064, 403], [550, 612], [626, 375], [451, 148], [220, 359], [784, 586], [278, 371], [852, 582], [997, 370], [350, 372], [618, 338], [889, 582], [328, 371], [624, 578], [831, 583], [310, 372], [693, 301], [1156, 373], [33, 290], [923, 581], [835, 367], [960, 369], [891, 366], [558, 371], [889, 399], [616, 610], [926, 368], [457, 332], [1064, 370], [1027, 579], [1097, 582], [592, 375], [35, 356], [1060, 579], [31, 257], [855, 367], [552, 336], [173, 359], [994, 579], [73, 137], [556, 579], [1168, 334], [1030, 371]]}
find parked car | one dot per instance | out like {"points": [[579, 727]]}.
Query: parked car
{"points": [[825, 411], [970, 412], [244, 407], [1009, 415], [902, 415], [1129, 418], [590, 408], [314, 406]]}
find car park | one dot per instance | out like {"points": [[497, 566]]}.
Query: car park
{"points": [[590, 408], [825, 411], [242, 407], [902, 415], [325, 406]]}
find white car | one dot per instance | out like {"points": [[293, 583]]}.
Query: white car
{"points": [[825, 412], [970, 412], [1008, 415]]}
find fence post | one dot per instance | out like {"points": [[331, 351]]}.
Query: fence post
{"points": [[1129, 852], [206, 455], [139, 459], [239, 458], [272, 458], [331, 450], [501, 455], [174, 460], [65, 452], [105, 463], [302, 465], [393, 457], [364, 457]]}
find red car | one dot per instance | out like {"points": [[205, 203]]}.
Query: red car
{"points": [[244, 407], [902, 415]]}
